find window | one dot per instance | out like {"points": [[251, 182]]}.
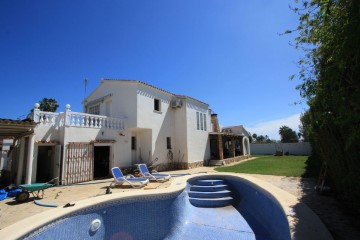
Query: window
{"points": [[205, 122], [95, 109], [168, 143], [133, 143], [157, 105], [201, 121], [197, 121]]}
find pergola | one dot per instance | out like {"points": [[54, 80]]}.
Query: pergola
{"points": [[23, 132], [225, 145], [16, 128]]}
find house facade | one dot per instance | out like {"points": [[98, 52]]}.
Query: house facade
{"points": [[123, 123]]}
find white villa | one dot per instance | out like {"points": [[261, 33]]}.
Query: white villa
{"points": [[124, 122]]}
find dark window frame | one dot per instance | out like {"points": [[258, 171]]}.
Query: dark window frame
{"points": [[168, 143], [133, 143], [157, 105]]}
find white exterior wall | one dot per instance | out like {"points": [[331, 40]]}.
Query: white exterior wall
{"points": [[198, 144], [301, 148], [160, 122], [123, 102], [180, 147], [47, 133]]}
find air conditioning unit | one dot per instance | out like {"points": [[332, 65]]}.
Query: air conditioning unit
{"points": [[176, 103]]}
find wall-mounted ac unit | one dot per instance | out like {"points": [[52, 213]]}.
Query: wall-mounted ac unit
{"points": [[176, 103]]}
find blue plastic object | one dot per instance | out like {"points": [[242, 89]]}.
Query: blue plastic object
{"points": [[45, 204], [3, 194], [14, 192]]}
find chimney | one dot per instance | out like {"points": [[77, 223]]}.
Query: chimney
{"points": [[215, 122]]}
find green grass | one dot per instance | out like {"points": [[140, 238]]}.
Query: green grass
{"points": [[290, 166]]}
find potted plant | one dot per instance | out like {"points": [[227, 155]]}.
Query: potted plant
{"points": [[136, 172]]}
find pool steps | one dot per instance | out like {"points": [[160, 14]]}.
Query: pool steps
{"points": [[210, 194]]}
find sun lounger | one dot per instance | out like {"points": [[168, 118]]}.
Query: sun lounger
{"points": [[154, 175], [120, 179]]}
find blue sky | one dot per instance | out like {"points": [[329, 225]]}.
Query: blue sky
{"points": [[225, 53]]}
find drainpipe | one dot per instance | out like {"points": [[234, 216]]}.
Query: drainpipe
{"points": [[30, 158]]}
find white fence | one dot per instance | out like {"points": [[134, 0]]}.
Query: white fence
{"points": [[301, 148]]}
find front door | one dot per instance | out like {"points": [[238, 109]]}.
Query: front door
{"points": [[44, 170]]}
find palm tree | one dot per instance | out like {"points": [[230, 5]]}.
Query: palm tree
{"points": [[48, 105], [288, 135]]}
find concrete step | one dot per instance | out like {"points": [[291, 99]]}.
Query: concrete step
{"points": [[218, 194], [211, 202], [209, 182], [215, 188]]}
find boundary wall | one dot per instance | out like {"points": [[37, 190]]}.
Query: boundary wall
{"points": [[300, 148]]}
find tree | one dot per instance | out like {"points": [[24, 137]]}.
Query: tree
{"points": [[48, 105], [305, 126], [288, 135], [329, 35], [261, 138]]}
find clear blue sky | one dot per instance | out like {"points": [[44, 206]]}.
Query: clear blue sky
{"points": [[225, 53]]}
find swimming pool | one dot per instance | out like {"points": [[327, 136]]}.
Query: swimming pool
{"points": [[166, 214]]}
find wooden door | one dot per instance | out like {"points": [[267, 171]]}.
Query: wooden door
{"points": [[79, 165]]}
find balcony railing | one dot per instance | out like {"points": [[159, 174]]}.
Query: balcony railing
{"points": [[76, 119]]}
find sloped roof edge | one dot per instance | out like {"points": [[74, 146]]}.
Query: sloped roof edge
{"points": [[147, 85]]}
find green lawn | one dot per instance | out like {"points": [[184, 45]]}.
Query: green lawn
{"points": [[290, 166]]}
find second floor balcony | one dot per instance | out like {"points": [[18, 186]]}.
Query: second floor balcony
{"points": [[76, 119]]}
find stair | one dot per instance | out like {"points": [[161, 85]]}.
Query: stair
{"points": [[210, 193]]}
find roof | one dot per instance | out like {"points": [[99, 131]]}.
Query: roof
{"points": [[16, 128], [150, 86], [226, 134], [237, 129]]}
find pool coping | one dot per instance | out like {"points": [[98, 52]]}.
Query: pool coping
{"points": [[303, 222]]}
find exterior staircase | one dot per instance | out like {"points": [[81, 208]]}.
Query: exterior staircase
{"points": [[210, 194]]}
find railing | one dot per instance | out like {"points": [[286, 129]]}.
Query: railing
{"points": [[76, 119], [48, 118], [93, 121]]}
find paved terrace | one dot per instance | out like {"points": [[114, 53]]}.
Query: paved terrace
{"points": [[326, 207]]}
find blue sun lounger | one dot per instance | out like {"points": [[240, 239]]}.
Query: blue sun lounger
{"points": [[120, 179], [154, 175]]}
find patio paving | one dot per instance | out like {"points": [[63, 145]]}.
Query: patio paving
{"points": [[340, 224]]}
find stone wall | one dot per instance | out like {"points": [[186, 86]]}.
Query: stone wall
{"points": [[235, 159], [184, 165], [178, 166]]}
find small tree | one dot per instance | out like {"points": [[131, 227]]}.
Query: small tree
{"points": [[305, 126], [288, 135]]}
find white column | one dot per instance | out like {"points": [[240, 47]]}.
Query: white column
{"points": [[36, 113], [30, 159], [20, 161]]}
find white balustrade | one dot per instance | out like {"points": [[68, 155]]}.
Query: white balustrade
{"points": [[76, 119], [47, 118], [93, 121]]}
